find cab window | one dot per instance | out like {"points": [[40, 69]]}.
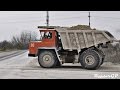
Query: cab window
{"points": [[46, 35]]}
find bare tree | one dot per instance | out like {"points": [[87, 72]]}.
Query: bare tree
{"points": [[22, 41], [6, 45]]}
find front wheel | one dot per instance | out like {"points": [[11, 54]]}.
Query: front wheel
{"points": [[90, 59], [47, 59]]}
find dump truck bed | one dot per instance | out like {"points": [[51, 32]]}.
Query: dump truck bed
{"points": [[79, 39]]}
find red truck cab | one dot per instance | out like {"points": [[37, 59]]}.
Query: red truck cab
{"points": [[47, 39]]}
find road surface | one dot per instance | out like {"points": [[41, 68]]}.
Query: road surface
{"points": [[19, 66]]}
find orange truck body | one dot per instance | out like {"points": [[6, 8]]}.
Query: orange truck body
{"points": [[34, 45]]}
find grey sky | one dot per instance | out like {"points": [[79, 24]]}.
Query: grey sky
{"points": [[14, 22]]}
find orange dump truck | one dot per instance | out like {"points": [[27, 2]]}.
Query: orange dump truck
{"points": [[59, 45]]}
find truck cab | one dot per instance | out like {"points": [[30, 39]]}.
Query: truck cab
{"points": [[48, 39]]}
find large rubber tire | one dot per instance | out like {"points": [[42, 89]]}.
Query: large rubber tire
{"points": [[102, 56], [47, 59], [90, 59], [102, 61]]}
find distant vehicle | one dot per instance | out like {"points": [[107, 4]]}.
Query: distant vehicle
{"points": [[59, 46]]}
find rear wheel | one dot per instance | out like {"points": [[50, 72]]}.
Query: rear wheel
{"points": [[101, 54], [102, 61], [90, 59], [47, 59]]}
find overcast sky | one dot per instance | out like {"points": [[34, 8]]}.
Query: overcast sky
{"points": [[14, 22]]}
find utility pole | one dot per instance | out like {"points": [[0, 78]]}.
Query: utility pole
{"points": [[47, 19], [89, 18]]}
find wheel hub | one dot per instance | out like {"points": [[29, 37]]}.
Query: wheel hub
{"points": [[47, 59], [89, 60]]}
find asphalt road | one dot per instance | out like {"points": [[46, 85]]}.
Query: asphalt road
{"points": [[9, 54], [20, 66]]}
